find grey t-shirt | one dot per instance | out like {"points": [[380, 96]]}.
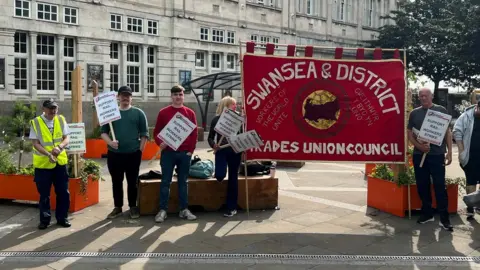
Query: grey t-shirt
{"points": [[49, 124], [416, 120]]}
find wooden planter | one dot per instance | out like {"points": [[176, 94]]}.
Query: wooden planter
{"points": [[390, 198], [96, 148], [151, 148], [22, 187]]}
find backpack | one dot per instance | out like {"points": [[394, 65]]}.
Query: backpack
{"points": [[202, 169], [255, 168]]}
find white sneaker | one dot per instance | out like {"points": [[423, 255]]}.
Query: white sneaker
{"points": [[161, 216], [186, 214]]}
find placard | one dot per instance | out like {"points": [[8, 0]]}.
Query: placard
{"points": [[245, 141], [77, 140], [107, 107], [434, 127], [229, 123], [176, 131]]}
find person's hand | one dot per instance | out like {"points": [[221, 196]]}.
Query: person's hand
{"points": [[52, 159], [189, 154], [56, 151], [114, 144], [424, 147], [163, 145], [448, 159], [216, 147]]}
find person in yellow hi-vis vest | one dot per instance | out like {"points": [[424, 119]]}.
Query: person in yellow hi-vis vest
{"points": [[49, 133]]}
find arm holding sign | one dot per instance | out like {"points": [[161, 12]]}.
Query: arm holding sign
{"points": [[105, 129], [65, 138], [424, 147]]}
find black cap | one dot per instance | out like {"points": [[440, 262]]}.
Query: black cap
{"points": [[50, 103], [125, 89]]}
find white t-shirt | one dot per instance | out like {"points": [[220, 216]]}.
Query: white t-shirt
{"points": [[49, 124]]}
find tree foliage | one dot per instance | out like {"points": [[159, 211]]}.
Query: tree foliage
{"points": [[441, 38]]}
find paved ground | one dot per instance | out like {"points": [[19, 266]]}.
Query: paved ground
{"points": [[322, 212]]}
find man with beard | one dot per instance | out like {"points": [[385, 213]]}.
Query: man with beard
{"points": [[125, 154], [181, 158]]}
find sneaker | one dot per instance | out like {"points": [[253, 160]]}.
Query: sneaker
{"points": [[161, 216], [42, 226], [446, 225], [117, 211], [470, 213], [134, 212], [425, 219], [230, 213], [186, 214]]}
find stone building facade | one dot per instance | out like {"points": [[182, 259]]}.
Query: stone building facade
{"points": [[151, 45]]}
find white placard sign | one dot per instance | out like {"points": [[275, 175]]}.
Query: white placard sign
{"points": [[245, 141], [107, 107], [176, 131], [434, 127], [77, 138], [229, 123]]}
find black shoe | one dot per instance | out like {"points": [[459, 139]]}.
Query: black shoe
{"points": [[446, 225], [424, 219], [470, 213], [42, 226], [64, 223], [134, 212]]}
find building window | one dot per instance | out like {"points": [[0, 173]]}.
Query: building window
{"points": [[133, 78], [22, 8], [217, 35], [230, 37], [70, 15], [114, 78], [2, 72], [152, 27], [114, 50], [20, 62], [207, 95], [276, 40], [45, 75], [254, 38], [151, 55], [133, 67], [134, 25], [310, 7], [231, 61], [68, 67], [46, 45], [151, 70], [47, 12], [184, 76], [116, 22], [69, 47], [200, 59], [204, 34], [216, 60]]}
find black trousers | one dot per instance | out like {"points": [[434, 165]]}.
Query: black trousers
{"points": [[119, 166]]}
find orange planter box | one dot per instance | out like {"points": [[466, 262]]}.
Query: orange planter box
{"points": [[370, 166], [151, 149], [390, 198], [95, 148], [22, 187]]}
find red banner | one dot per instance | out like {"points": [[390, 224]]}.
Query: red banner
{"points": [[325, 110]]}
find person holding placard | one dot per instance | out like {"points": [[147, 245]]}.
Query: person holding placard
{"points": [[434, 164], [125, 154], [181, 157], [225, 157], [467, 136], [50, 135]]}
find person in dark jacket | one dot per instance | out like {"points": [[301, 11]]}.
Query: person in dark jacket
{"points": [[225, 158]]}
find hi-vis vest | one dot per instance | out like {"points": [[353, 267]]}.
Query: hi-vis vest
{"points": [[48, 141]]}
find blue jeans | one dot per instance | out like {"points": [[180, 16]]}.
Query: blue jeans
{"points": [[44, 178], [433, 167], [168, 161], [227, 158]]}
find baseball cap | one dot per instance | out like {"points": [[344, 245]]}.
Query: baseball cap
{"points": [[125, 89], [50, 103]]}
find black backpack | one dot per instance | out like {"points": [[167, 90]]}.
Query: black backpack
{"points": [[255, 168]]}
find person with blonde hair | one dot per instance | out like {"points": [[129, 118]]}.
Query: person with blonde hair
{"points": [[225, 157]]}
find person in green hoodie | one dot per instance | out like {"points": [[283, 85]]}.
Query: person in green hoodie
{"points": [[125, 153]]}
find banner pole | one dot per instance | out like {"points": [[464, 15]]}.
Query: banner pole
{"points": [[407, 165], [244, 128]]}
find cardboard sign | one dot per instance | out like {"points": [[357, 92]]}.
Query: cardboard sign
{"points": [[434, 127], [77, 138], [229, 123], [107, 108], [176, 131], [245, 141]]}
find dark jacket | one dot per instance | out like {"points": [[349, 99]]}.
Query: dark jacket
{"points": [[213, 136]]}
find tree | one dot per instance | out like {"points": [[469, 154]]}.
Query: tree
{"points": [[426, 29]]}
